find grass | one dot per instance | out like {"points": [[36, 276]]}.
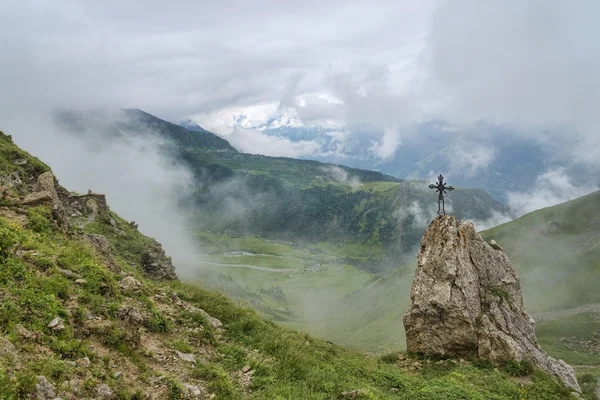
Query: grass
{"points": [[555, 251], [287, 364]]}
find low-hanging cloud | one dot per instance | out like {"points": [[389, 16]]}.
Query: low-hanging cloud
{"points": [[140, 181], [551, 188], [340, 175]]}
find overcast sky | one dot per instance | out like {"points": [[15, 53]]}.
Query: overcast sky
{"points": [[316, 63]]}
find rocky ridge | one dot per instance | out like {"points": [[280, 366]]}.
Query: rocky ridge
{"points": [[467, 302]]}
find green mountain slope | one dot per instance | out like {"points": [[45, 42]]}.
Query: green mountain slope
{"points": [[302, 201], [556, 251], [80, 319]]}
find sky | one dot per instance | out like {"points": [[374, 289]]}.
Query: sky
{"points": [[330, 64], [236, 67]]}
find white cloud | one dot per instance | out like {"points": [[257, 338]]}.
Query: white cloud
{"points": [[467, 157], [551, 188], [257, 142], [385, 148], [338, 174]]}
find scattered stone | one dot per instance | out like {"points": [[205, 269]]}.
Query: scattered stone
{"points": [[103, 391], [246, 369], [7, 350], [213, 322], [56, 324], [69, 274], [130, 284], [26, 334], [466, 302], [11, 180], [157, 264], [192, 391], [186, 356], [495, 245], [80, 281], [45, 390], [123, 274], [131, 315], [20, 161], [117, 374], [84, 362]]}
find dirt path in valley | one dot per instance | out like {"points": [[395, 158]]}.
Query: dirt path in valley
{"points": [[286, 270]]}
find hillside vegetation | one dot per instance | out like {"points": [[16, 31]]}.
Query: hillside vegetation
{"points": [[82, 320], [556, 251], [280, 198]]}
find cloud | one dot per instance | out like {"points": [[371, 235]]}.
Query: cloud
{"points": [[551, 188], [340, 175], [528, 63], [256, 142], [140, 182], [386, 147], [468, 157]]}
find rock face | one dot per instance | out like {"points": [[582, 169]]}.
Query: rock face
{"points": [[157, 264], [45, 193], [467, 302]]}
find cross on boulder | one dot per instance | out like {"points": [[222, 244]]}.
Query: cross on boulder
{"points": [[441, 188]]}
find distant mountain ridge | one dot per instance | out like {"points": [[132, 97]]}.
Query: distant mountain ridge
{"points": [[299, 200], [499, 158]]}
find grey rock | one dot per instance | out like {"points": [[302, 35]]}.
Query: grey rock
{"points": [[69, 274], [103, 391], [192, 391], [131, 315], [117, 374], [157, 264], [467, 302], [56, 324], [84, 362], [7, 350], [45, 390], [186, 356], [130, 284], [11, 180], [45, 193]]}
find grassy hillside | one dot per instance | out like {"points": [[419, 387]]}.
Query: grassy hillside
{"points": [[82, 321], [556, 251]]}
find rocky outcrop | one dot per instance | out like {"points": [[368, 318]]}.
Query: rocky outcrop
{"points": [[157, 264], [467, 302], [45, 193]]}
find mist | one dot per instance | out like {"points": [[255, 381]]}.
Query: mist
{"points": [[140, 181]]}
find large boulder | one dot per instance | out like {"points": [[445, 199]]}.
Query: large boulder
{"points": [[157, 264], [467, 302], [45, 193]]}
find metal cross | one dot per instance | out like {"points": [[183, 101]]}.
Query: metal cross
{"points": [[441, 189]]}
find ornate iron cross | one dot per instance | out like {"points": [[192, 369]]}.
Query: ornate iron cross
{"points": [[441, 189]]}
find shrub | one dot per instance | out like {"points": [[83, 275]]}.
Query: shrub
{"points": [[480, 363], [8, 238], [518, 368], [39, 220], [390, 358]]}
